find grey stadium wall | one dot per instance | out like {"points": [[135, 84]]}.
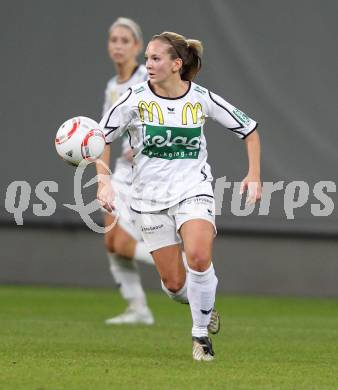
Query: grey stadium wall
{"points": [[275, 60]]}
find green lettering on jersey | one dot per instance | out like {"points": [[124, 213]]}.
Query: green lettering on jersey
{"points": [[139, 89], [200, 90], [243, 118], [171, 143]]}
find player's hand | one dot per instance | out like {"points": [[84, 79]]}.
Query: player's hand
{"points": [[254, 187], [105, 193]]}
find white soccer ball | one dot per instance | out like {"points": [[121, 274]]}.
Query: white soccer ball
{"points": [[80, 140]]}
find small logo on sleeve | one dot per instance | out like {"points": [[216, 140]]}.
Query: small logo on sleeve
{"points": [[139, 89], [243, 118]]}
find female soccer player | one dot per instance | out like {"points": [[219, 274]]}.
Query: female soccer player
{"points": [[123, 242], [172, 193]]}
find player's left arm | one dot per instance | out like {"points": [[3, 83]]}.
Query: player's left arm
{"points": [[252, 181], [245, 128]]}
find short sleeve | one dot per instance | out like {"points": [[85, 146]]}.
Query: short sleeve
{"points": [[115, 121], [230, 117]]}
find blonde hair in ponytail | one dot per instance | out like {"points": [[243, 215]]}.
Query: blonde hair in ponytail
{"points": [[188, 50]]}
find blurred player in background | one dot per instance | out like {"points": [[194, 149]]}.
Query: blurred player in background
{"points": [[172, 192], [123, 242]]}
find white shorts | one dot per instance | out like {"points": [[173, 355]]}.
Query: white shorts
{"points": [[160, 229], [126, 217]]}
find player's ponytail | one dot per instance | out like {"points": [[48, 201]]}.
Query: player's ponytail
{"points": [[189, 50], [194, 62]]}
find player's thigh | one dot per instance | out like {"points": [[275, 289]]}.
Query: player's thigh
{"points": [[160, 235], [124, 242], [198, 236]]}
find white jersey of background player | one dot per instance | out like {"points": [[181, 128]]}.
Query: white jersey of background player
{"points": [[172, 194], [114, 90], [123, 242]]}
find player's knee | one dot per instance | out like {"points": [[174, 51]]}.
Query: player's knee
{"points": [[199, 259], [173, 284]]}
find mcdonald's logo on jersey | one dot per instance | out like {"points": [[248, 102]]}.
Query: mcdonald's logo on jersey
{"points": [[194, 113], [144, 106]]}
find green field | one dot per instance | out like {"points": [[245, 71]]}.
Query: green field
{"points": [[55, 338]]}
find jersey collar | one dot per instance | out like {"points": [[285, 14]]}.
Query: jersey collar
{"points": [[169, 98]]}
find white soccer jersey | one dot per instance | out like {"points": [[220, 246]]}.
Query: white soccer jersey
{"points": [[114, 90], [167, 138]]}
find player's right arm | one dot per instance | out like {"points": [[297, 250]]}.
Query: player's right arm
{"points": [[105, 192], [114, 123]]}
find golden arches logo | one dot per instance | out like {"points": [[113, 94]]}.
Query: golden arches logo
{"points": [[144, 106], [194, 112]]}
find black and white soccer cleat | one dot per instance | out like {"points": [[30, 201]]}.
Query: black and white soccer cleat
{"points": [[215, 322], [202, 349]]}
